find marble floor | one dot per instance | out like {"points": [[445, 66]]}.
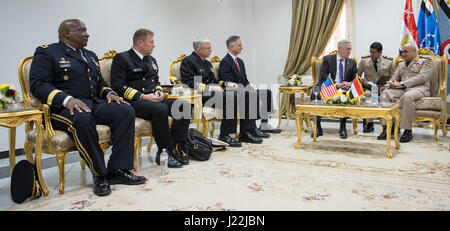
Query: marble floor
{"points": [[76, 177]]}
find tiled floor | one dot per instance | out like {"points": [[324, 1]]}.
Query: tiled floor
{"points": [[76, 177]]}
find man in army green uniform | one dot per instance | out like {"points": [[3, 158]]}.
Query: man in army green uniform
{"points": [[376, 68], [411, 82]]}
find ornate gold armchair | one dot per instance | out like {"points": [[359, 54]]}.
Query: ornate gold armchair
{"points": [[433, 108], [56, 142], [209, 115]]}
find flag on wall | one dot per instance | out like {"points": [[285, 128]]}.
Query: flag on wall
{"points": [[427, 28], [328, 89], [444, 33], [409, 29], [356, 90]]}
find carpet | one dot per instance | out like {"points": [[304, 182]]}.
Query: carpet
{"points": [[331, 174]]}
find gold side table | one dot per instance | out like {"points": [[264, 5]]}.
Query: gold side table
{"points": [[288, 90], [388, 112], [13, 119]]}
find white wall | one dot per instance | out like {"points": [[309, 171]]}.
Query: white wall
{"points": [[378, 21], [264, 27]]}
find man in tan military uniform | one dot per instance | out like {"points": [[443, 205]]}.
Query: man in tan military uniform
{"points": [[376, 68], [411, 82]]}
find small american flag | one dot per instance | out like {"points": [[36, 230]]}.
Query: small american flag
{"points": [[328, 89]]}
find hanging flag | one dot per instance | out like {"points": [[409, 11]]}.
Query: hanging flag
{"points": [[356, 90], [328, 89], [443, 21], [427, 28], [409, 29]]}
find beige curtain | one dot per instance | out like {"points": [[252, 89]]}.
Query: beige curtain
{"points": [[313, 23]]}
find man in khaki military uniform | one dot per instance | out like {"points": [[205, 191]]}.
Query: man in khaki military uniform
{"points": [[376, 68], [411, 82]]}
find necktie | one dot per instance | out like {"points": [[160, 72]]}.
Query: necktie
{"points": [[341, 70], [237, 64], [375, 65], [82, 55]]}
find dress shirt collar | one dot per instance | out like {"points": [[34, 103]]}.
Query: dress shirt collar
{"points": [[141, 56], [232, 56]]}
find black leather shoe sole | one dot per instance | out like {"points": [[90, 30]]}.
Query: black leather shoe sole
{"points": [[343, 135], [119, 180], [405, 139], [231, 143], [253, 141], [275, 130], [102, 193]]}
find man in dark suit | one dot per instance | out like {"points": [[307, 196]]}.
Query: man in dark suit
{"points": [[213, 90], [67, 77], [134, 75], [232, 71], [342, 70]]}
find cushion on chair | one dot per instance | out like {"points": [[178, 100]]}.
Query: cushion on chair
{"points": [[26, 74], [428, 114], [429, 103], [142, 125], [212, 113], [105, 68], [176, 70], [62, 141]]}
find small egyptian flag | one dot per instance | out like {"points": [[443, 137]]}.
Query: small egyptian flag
{"points": [[356, 90]]}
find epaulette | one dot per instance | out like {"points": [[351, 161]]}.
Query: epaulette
{"points": [[387, 57], [43, 46], [363, 57]]}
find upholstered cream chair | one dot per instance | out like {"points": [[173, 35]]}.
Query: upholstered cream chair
{"points": [[316, 64], [433, 108], [209, 115], [56, 142]]}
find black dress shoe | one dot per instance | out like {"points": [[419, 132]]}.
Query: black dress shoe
{"points": [[258, 133], [180, 150], [319, 132], [406, 137], [101, 186], [382, 136], [249, 138], [172, 163], [232, 142], [368, 128], [172, 152], [265, 127], [125, 177], [343, 133]]}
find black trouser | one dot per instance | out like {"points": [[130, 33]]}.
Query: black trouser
{"points": [[158, 113], [266, 101], [229, 102], [343, 120], [82, 128]]}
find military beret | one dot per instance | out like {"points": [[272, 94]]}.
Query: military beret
{"points": [[24, 183]]}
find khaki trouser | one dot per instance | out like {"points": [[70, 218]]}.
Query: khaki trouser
{"points": [[408, 99]]}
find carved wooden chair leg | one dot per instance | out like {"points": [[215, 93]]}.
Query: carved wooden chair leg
{"points": [[150, 143], [61, 159], [213, 127]]}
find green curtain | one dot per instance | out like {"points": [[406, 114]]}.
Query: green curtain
{"points": [[313, 23]]}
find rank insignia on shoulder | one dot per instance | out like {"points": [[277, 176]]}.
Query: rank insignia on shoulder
{"points": [[43, 46]]}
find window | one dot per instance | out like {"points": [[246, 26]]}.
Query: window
{"points": [[342, 30]]}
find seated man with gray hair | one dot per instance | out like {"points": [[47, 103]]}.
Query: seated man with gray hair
{"points": [[410, 82], [342, 71], [213, 89]]}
